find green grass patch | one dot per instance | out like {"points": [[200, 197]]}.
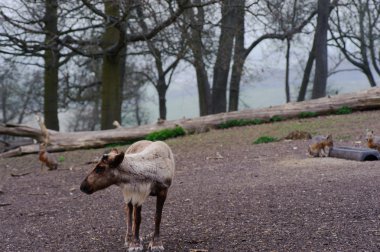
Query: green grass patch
{"points": [[276, 118], [307, 114], [240, 122], [165, 134], [61, 159], [343, 110], [265, 139]]}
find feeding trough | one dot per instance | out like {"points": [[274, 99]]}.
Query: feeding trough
{"points": [[358, 154]]}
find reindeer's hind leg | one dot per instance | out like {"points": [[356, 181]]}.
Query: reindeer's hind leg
{"points": [[156, 245], [128, 216]]}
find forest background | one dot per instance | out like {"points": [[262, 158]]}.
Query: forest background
{"points": [[84, 64]]}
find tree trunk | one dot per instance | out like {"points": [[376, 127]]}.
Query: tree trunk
{"points": [[196, 46], [51, 59], [307, 73], [287, 56], [367, 71], [239, 57], [111, 91], [365, 100], [223, 58], [320, 79], [161, 90], [204, 93]]}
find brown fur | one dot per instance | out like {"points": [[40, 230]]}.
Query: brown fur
{"points": [[373, 141], [47, 159], [320, 146]]}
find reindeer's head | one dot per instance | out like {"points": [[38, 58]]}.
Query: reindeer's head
{"points": [[104, 174]]}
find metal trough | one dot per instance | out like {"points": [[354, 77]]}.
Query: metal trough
{"points": [[358, 154]]}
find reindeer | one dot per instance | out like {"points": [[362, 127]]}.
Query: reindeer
{"points": [[146, 168]]}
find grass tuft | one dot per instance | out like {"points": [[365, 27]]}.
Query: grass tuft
{"points": [[61, 159], [276, 118], [265, 139], [307, 114], [343, 110], [240, 122], [165, 134]]}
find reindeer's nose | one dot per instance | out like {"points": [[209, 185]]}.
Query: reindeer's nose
{"points": [[84, 187]]}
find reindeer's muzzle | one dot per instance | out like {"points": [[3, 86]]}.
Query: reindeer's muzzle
{"points": [[85, 187]]}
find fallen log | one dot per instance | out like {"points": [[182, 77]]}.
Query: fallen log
{"points": [[60, 141]]}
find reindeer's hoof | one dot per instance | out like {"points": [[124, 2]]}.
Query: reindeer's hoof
{"points": [[128, 240], [155, 246], [135, 246]]}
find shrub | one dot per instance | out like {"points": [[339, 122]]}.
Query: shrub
{"points": [[307, 114], [165, 134], [343, 110], [265, 139]]}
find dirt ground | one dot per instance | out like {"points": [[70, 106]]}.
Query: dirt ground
{"points": [[228, 195]]}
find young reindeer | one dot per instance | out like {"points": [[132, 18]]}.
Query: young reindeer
{"points": [[146, 168]]}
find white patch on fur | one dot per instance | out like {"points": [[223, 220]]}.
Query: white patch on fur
{"points": [[136, 192]]}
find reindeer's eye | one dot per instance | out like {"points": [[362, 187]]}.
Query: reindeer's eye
{"points": [[99, 169]]}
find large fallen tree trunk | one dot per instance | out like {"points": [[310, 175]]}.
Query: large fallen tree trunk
{"points": [[59, 141]]}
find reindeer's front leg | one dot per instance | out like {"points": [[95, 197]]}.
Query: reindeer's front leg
{"points": [[128, 216], [156, 245], [136, 245]]}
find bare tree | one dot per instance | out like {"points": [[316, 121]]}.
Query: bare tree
{"points": [[238, 58], [31, 31], [135, 97], [119, 31], [167, 50], [223, 56], [195, 32], [27, 32], [320, 78], [306, 73], [355, 31], [286, 15], [19, 93], [276, 25], [310, 61]]}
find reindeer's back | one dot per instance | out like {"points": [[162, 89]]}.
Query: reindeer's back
{"points": [[138, 146], [153, 160]]}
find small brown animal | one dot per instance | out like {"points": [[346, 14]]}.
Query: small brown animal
{"points": [[47, 159], [373, 141], [145, 169], [320, 146]]}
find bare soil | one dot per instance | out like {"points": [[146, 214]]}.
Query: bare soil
{"points": [[228, 195]]}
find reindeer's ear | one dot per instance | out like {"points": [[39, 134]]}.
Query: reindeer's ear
{"points": [[329, 137], [117, 159]]}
